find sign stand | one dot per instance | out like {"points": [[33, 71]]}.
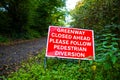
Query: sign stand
{"points": [[79, 61], [71, 43], [45, 63]]}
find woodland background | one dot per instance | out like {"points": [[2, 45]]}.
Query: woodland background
{"points": [[27, 19]]}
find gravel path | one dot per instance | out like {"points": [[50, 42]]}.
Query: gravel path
{"points": [[13, 54]]}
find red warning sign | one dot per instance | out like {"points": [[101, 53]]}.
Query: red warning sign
{"points": [[70, 43]]}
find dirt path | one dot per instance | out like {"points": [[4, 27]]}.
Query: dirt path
{"points": [[12, 55]]}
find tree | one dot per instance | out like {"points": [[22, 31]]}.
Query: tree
{"points": [[18, 13], [23, 18], [49, 12], [96, 14]]}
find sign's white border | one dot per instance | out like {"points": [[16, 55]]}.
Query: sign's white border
{"points": [[72, 57]]}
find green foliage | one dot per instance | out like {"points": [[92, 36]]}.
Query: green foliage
{"points": [[30, 34], [103, 17], [3, 39], [48, 13], [95, 14], [4, 23], [16, 19], [108, 54], [30, 18], [57, 69]]}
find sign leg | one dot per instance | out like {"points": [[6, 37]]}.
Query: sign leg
{"points": [[45, 62], [79, 61]]}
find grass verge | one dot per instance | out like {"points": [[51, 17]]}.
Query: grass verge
{"points": [[61, 69]]}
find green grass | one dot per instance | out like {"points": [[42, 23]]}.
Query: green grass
{"points": [[65, 69], [57, 69]]}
